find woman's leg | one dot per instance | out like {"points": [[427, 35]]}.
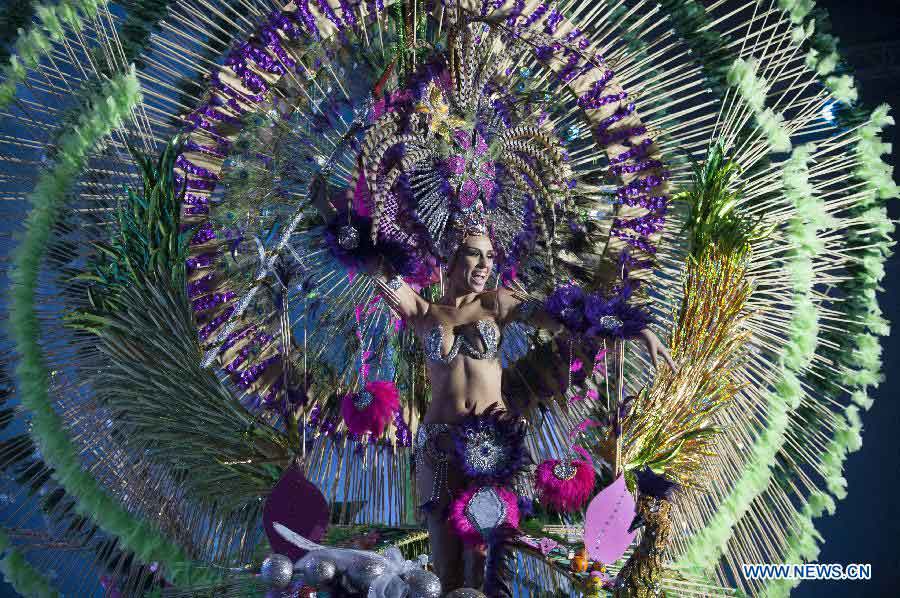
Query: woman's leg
{"points": [[446, 552], [435, 479], [474, 558]]}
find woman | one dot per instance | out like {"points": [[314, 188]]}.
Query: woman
{"points": [[461, 335]]}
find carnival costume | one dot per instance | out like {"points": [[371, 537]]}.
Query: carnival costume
{"points": [[210, 391]]}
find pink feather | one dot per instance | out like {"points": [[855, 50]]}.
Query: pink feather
{"points": [[565, 495], [375, 416], [467, 532]]}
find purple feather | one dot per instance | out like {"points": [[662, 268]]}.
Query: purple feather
{"points": [[614, 317], [566, 304], [360, 253], [490, 447]]}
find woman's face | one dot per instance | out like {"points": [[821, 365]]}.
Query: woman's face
{"points": [[473, 264]]}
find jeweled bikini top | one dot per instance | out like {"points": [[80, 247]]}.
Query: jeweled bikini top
{"points": [[434, 343]]}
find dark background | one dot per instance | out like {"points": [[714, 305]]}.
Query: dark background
{"points": [[866, 527]]}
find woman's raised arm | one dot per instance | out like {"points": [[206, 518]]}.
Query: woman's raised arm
{"points": [[513, 305], [404, 301]]}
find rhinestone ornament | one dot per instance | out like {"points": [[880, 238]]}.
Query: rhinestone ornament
{"points": [[483, 453], [609, 322], [564, 471], [348, 237], [362, 399], [277, 570], [486, 510], [395, 283]]}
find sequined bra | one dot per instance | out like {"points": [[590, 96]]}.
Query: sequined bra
{"points": [[434, 343]]}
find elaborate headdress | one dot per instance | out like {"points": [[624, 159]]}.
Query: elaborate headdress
{"points": [[458, 155]]}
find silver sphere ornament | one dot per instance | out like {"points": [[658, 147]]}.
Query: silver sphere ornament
{"points": [[277, 570], [360, 574], [466, 593], [318, 570], [348, 237], [423, 584]]}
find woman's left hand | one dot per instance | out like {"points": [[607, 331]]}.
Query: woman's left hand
{"points": [[655, 348]]}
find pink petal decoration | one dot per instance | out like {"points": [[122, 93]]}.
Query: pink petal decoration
{"points": [[546, 545], [606, 522], [463, 138], [481, 146], [468, 193], [456, 164]]}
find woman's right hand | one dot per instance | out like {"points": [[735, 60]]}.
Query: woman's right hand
{"points": [[655, 347]]}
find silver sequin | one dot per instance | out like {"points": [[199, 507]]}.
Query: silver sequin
{"points": [[348, 237], [427, 447], [466, 593], [423, 584], [317, 569], [362, 399], [360, 574]]}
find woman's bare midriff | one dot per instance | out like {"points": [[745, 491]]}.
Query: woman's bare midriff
{"points": [[465, 385]]}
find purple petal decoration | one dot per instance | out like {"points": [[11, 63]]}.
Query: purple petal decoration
{"points": [[606, 522], [298, 504], [658, 486]]}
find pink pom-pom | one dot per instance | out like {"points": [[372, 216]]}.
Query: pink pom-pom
{"points": [[564, 493], [466, 529], [371, 409]]}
